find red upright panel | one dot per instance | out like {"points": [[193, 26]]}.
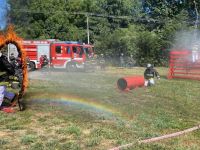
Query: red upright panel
{"points": [[184, 64]]}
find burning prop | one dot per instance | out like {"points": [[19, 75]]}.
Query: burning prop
{"points": [[10, 37]]}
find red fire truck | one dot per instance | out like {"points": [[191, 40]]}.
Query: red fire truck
{"points": [[71, 55]]}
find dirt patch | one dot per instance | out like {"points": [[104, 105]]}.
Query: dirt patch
{"points": [[4, 133]]}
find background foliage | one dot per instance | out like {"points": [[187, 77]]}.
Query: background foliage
{"points": [[146, 29]]}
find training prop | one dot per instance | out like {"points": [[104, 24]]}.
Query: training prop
{"points": [[184, 64], [131, 82], [10, 37]]}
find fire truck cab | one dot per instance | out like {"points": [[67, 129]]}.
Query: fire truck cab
{"points": [[89, 50], [67, 54]]}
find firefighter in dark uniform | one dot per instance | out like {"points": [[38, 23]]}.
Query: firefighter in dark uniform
{"points": [[9, 70], [102, 62], [122, 62], [149, 75]]}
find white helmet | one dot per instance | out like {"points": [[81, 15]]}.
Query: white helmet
{"points": [[149, 65], [195, 47]]}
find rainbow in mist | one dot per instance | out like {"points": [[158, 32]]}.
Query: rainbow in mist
{"points": [[76, 102]]}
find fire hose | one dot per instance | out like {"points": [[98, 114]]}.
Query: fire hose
{"points": [[167, 136]]}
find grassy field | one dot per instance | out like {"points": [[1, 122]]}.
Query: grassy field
{"points": [[86, 111]]}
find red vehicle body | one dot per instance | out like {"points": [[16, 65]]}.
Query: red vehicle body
{"points": [[60, 54]]}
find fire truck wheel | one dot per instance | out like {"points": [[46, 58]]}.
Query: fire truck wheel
{"points": [[71, 67], [31, 66]]}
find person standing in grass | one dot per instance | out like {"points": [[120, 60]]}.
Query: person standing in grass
{"points": [[102, 62], [122, 61], [149, 75]]}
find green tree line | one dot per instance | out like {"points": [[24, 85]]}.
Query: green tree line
{"points": [[145, 29]]}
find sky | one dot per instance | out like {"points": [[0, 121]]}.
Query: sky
{"points": [[3, 6]]}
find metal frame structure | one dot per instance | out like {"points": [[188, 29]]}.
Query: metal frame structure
{"points": [[184, 64]]}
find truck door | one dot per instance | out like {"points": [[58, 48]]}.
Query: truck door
{"points": [[56, 55], [43, 50], [78, 53], [60, 54]]}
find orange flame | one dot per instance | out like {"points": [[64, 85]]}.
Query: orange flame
{"points": [[11, 37]]}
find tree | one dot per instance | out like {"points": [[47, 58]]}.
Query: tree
{"points": [[141, 28]]}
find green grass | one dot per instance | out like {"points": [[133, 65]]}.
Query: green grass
{"points": [[94, 141], [3, 142], [170, 106], [71, 130], [28, 139]]}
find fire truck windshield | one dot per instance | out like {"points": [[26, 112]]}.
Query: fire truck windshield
{"points": [[74, 49], [88, 50], [81, 51]]}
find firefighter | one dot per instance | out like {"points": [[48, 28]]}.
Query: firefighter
{"points": [[195, 50], [149, 75], [44, 60], [12, 57], [15, 61], [122, 62], [90, 55], [130, 61], [9, 70], [102, 62]]}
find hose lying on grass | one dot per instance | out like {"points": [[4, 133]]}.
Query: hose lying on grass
{"points": [[158, 138]]}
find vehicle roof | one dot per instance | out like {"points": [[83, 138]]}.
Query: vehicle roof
{"points": [[88, 45], [68, 42]]}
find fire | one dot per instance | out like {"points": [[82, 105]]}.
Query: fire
{"points": [[11, 37]]}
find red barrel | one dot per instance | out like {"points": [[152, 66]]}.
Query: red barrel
{"points": [[128, 83]]}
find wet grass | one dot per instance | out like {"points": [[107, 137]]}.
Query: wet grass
{"points": [[170, 106]]}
